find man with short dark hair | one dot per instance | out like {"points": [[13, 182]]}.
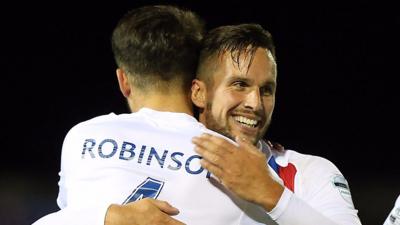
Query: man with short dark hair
{"points": [[235, 92], [112, 164], [114, 167]]}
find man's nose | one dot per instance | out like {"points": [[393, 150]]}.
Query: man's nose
{"points": [[253, 100]]}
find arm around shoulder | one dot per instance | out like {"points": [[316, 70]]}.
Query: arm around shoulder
{"points": [[321, 195]]}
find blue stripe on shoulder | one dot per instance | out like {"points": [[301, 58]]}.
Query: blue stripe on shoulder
{"points": [[272, 163]]}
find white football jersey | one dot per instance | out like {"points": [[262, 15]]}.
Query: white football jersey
{"points": [[394, 216], [124, 158], [316, 192]]}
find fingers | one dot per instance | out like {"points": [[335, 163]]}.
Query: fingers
{"points": [[211, 150], [208, 155], [168, 209], [212, 168], [165, 207], [142, 212], [214, 152], [215, 144]]}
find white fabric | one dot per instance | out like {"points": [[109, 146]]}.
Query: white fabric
{"points": [[394, 216], [106, 158], [316, 198]]}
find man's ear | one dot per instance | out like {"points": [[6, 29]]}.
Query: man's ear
{"points": [[123, 82], [199, 92]]}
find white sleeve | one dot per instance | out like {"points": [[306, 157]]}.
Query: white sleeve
{"points": [[322, 197], [293, 210], [90, 213], [62, 198], [92, 216], [62, 192], [394, 216]]}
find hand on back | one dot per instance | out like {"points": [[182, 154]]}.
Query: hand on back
{"points": [[146, 211]]}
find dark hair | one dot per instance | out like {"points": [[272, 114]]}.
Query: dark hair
{"points": [[235, 39], [158, 43]]}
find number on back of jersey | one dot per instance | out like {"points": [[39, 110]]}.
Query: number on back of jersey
{"points": [[150, 188]]}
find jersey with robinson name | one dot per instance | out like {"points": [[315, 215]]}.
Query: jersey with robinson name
{"points": [[124, 158], [394, 216]]}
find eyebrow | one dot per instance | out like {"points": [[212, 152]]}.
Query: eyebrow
{"points": [[238, 78], [241, 78]]}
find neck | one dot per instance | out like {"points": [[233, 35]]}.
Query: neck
{"points": [[166, 102]]}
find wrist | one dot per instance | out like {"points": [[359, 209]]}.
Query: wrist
{"points": [[272, 196]]}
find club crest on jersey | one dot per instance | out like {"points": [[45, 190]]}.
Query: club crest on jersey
{"points": [[340, 183]]}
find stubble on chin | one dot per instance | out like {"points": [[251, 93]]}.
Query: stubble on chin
{"points": [[212, 124]]}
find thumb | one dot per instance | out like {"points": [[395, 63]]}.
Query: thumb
{"points": [[166, 207]]}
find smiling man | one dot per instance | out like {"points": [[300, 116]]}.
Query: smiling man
{"points": [[240, 95], [235, 92]]}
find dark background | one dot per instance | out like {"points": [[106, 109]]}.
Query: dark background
{"points": [[337, 93]]}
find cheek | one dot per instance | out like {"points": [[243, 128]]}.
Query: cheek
{"points": [[223, 103], [269, 106]]}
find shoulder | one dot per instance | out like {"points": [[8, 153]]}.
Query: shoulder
{"points": [[398, 201], [102, 124], [311, 170], [317, 176], [143, 123], [95, 121], [304, 162]]}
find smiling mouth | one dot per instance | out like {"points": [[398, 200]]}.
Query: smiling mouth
{"points": [[251, 123]]}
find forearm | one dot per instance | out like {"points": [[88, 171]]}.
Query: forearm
{"points": [[293, 210]]}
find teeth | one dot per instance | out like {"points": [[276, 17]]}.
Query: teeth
{"points": [[246, 121]]}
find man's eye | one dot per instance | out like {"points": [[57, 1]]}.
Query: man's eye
{"points": [[239, 84], [266, 91]]}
